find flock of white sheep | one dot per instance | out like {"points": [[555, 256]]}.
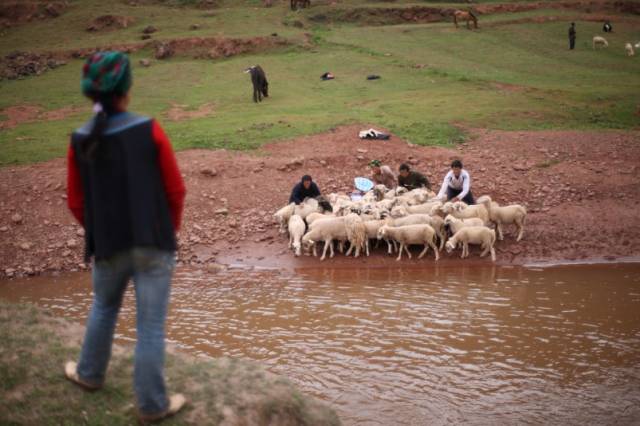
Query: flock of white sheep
{"points": [[601, 41], [400, 218]]}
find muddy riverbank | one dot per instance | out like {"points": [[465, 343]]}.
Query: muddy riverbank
{"points": [[580, 189]]}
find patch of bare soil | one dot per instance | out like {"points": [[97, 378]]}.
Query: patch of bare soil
{"points": [[19, 12], [179, 113], [109, 22], [215, 47], [572, 183], [23, 64], [16, 115]]}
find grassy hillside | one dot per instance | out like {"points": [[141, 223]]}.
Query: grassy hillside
{"points": [[504, 75]]}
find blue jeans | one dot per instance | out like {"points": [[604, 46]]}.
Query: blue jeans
{"points": [[151, 270]]}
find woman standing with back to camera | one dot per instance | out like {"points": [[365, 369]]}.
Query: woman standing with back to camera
{"points": [[125, 188]]}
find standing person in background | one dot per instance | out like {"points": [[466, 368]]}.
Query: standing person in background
{"points": [[382, 175], [306, 188], [456, 185], [572, 36], [125, 188], [411, 179]]}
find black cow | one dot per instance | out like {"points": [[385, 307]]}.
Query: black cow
{"points": [[260, 83]]}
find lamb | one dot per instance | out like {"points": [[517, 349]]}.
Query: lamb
{"points": [[473, 235], [512, 214], [629, 48], [411, 234], [637, 45], [296, 230], [282, 216], [597, 40], [462, 210], [436, 223]]}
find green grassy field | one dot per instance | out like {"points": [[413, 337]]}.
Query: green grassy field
{"points": [[502, 76]]}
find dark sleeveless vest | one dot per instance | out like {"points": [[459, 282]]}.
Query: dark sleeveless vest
{"points": [[125, 204]]}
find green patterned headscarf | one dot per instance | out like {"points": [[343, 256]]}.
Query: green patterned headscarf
{"points": [[106, 73]]}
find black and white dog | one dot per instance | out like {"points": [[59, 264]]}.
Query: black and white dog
{"points": [[260, 83]]}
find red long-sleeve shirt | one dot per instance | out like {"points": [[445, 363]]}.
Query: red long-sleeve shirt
{"points": [[171, 179]]}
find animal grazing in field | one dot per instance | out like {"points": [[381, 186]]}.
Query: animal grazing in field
{"points": [[637, 45], [259, 81], [302, 3], [464, 15], [481, 235], [599, 41], [629, 48]]}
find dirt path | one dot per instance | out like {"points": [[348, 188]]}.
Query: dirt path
{"points": [[580, 188]]}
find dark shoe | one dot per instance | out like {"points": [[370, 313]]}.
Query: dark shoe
{"points": [[176, 402], [71, 373]]}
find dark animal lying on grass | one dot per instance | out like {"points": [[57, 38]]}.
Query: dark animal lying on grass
{"points": [[302, 3], [260, 83]]}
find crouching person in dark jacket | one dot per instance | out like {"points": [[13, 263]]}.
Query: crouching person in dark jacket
{"points": [[306, 188]]}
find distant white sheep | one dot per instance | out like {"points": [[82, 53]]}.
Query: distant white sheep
{"points": [[629, 49], [296, 231], [481, 235], [411, 234], [599, 41], [456, 224]]}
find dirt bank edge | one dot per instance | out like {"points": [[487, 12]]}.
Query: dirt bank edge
{"points": [[577, 187]]}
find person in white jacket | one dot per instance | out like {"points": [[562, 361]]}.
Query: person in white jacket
{"points": [[456, 185]]}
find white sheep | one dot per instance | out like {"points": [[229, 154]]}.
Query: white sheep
{"points": [[505, 215], [296, 231], [356, 234], [462, 210], [599, 41], [637, 45], [372, 227], [456, 224], [325, 230], [481, 235], [629, 48], [344, 228], [425, 208], [282, 216], [436, 223], [312, 217], [308, 206], [411, 234]]}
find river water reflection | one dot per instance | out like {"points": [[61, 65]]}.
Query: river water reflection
{"points": [[473, 345]]}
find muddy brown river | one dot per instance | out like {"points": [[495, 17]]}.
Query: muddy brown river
{"points": [[472, 344]]}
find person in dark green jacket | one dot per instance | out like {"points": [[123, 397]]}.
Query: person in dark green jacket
{"points": [[410, 179]]}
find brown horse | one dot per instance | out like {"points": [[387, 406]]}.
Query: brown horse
{"points": [[302, 3], [465, 15]]}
